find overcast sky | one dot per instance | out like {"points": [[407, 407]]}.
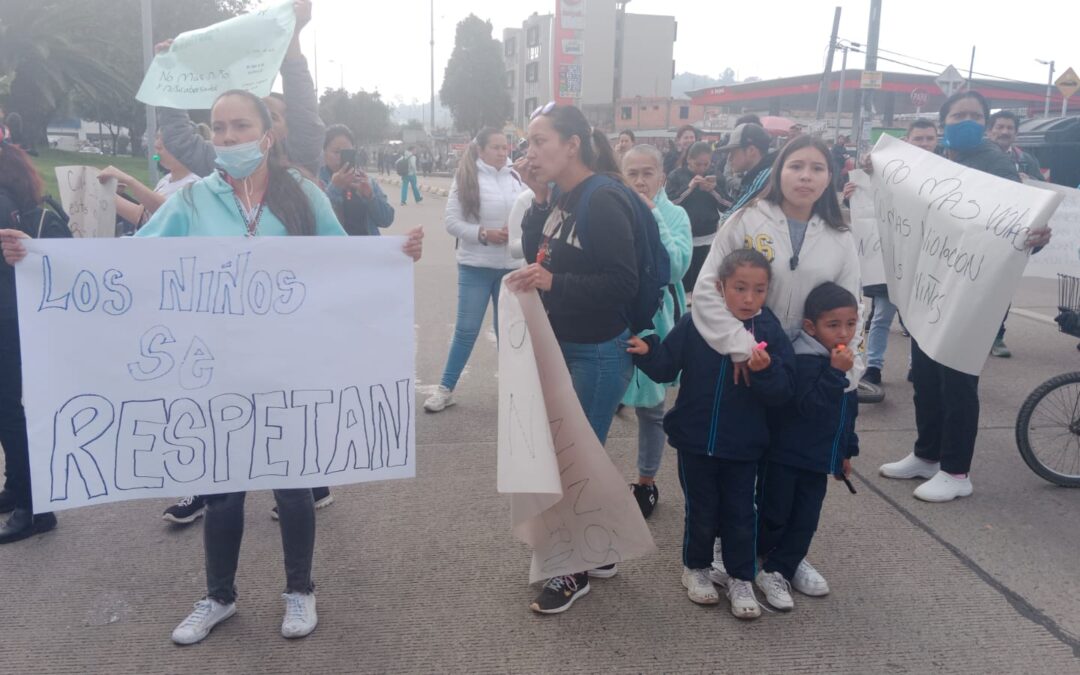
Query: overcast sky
{"points": [[387, 48]]}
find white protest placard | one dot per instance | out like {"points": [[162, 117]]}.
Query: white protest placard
{"points": [[568, 502], [244, 52], [953, 242], [164, 367], [864, 229], [90, 204], [1062, 254]]}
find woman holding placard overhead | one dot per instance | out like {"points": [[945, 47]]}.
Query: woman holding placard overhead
{"points": [[947, 400], [252, 194], [21, 210]]}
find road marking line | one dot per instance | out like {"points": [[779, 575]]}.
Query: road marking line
{"points": [[1035, 316]]}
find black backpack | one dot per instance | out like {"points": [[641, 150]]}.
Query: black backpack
{"points": [[653, 264], [402, 166], [48, 221]]}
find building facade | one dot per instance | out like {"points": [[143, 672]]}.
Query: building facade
{"points": [[590, 53]]}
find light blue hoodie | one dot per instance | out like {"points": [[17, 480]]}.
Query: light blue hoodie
{"points": [[208, 209]]}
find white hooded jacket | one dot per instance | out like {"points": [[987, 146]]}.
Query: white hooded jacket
{"points": [[499, 189], [827, 255]]}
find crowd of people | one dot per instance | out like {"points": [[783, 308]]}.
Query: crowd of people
{"points": [[757, 320]]}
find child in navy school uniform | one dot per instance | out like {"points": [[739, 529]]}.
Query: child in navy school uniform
{"points": [[720, 428], [811, 438]]}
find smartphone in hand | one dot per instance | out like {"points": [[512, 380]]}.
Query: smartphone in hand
{"points": [[348, 156]]}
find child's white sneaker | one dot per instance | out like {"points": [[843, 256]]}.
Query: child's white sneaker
{"points": [[809, 581], [910, 467], [699, 587], [777, 590], [744, 604], [718, 574], [944, 487], [442, 399]]}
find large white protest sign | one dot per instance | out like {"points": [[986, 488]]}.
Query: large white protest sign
{"points": [[1062, 254], [568, 501], [176, 366], [244, 52], [864, 229], [90, 204], [953, 242]]}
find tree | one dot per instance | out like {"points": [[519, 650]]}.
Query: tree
{"points": [[474, 82], [364, 113], [88, 55]]}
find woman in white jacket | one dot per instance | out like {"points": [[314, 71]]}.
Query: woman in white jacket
{"points": [[484, 190], [796, 223]]}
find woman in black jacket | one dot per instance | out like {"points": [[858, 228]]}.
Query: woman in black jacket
{"points": [[587, 276], [947, 400], [21, 208]]}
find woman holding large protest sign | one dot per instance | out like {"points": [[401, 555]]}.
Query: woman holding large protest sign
{"points": [[796, 223], [484, 190], [947, 400], [22, 210], [586, 279], [253, 193]]}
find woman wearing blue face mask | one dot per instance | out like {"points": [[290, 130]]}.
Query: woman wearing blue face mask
{"points": [[253, 193], [947, 400]]}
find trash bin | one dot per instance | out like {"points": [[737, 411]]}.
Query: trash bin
{"points": [[1055, 142]]}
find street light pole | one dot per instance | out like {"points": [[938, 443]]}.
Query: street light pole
{"points": [[1049, 85], [432, 6], [840, 93]]}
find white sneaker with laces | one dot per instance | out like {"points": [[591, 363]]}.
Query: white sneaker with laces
{"points": [[809, 581], [442, 399], [699, 587], [718, 573], [744, 604], [944, 487], [910, 467], [300, 617], [208, 613], [777, 590]]}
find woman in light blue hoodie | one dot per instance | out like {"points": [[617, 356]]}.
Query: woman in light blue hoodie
{"points": [[643, 167], [252, 194]]}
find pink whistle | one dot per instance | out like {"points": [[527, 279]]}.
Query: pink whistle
{"points": [[761, 345]]}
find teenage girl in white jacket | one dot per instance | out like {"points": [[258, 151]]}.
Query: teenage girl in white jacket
{"points": [[796, 224], [484, 190]]}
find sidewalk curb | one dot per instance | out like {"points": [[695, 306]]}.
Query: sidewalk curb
{"points": [[424, 187]]}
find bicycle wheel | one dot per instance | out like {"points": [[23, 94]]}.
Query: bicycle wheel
{"points": [[1048, 430]]}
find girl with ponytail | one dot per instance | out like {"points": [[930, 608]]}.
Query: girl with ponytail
{"points": [[586, 282], [484, 190]]}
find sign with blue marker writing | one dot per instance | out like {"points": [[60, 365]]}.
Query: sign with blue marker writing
{"points": [[244, 52], [953, 245], [175, 366]]}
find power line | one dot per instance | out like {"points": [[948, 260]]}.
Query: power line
{"points": [[935, 63]]}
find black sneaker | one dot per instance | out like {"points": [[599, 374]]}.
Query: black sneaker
{"points": [[185, 511], [322, 496], [7, 501], [872, 375], [647, 496], [560, 592]]}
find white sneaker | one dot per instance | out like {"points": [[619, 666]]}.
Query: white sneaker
{"points": [[910, 467], [718, 574], [777, 590], [300, 617], [208, 613], [809, 581], [944, 487], [698, 586], [743, 603], [442, 399]]}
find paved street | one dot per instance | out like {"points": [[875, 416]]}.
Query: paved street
{"points": [[424, 575]]}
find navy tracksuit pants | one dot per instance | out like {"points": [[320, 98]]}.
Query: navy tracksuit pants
{"points": [[789, 507], [719, 501]]}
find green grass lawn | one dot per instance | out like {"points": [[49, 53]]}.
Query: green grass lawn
{"points": [[48, 160]]}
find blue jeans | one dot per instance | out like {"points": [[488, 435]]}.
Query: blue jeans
{"points": [[651, 439], [600, 374], [406, 181], [878, 338], [475, 286]]}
